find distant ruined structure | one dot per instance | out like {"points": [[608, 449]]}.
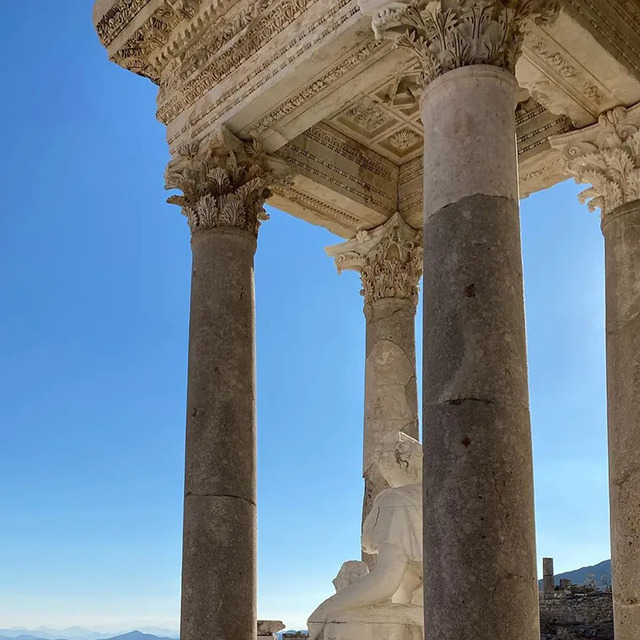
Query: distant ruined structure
{"points": [[411, 129], [574, 612]]}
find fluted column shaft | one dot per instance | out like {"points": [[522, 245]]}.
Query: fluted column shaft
{"points": [[621, 230], [479, 534], [219, 545]]}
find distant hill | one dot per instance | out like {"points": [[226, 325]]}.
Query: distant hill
{"points": [[138, 635], [23, 634], [71, 633], [578, 576]]}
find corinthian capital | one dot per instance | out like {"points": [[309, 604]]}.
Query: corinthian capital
{"points": [[224, 182], [388, 258], [606, 156], [449, 34]]}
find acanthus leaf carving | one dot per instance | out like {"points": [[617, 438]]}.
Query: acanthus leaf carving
{"points": [[449, 34], [607, 157], [224, 182], [389, 260]]}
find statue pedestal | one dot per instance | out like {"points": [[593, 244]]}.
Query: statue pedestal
{"points": [[383, 622]]}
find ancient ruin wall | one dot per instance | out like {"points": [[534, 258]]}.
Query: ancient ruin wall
{"points": [[576, 616]]}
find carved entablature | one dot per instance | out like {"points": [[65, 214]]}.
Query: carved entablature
{"points": [[310, 82], [224, 183], [144, 35], [606, 156], [211, 57], [615, 25], [446, 35], [242, 56], [388, 258]]}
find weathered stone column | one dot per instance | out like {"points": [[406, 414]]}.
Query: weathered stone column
{"points": [[389, 260], [548, 576], [224, 189], [607, 156], [480, 554], [479, 535]]}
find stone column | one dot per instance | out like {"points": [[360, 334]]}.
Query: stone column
{"points": [[389, 260], [224, 188], [607, 155], [479, 535], [548, 576]]}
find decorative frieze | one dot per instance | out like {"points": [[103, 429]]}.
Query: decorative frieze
{"points": [[388, 258], [606, 156], [343, 165], [615, 24], [359, 154], [256, 77], [320, 207], [224, 183], [458, 33], [221, 52], [318, 85], [114, 21]]}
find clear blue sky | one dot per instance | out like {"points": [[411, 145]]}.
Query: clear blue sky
{"points": [[94, 288]]}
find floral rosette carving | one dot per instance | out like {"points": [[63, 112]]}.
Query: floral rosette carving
{"points": [[224, 183], [450, 34]]}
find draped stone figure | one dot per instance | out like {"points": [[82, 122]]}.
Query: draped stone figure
{"points": [[385, 604]]}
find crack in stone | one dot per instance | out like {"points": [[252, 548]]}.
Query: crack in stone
{"points": [[626, 477], [622, 326], [194, 494], [458, 401]]}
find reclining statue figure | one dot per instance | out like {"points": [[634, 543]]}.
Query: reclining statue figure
{"points": [[385, 604]]}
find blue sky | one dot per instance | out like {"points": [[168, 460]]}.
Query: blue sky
{"points": [[94, 290]]}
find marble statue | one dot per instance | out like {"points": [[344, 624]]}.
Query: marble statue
{"points": [[386, 603]]}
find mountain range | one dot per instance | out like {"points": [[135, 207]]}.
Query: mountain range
{"points": [[579, 576], [77, 633]]}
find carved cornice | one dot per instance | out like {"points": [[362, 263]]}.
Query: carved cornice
{"points": [[607, 156], [188, 47], [615, 24], [157, 31], [224, 183], [316, 86], [556, 78], [220, 51], [320, 207], [115, 20], [388, 258], [179, 93], [449, 34]]}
